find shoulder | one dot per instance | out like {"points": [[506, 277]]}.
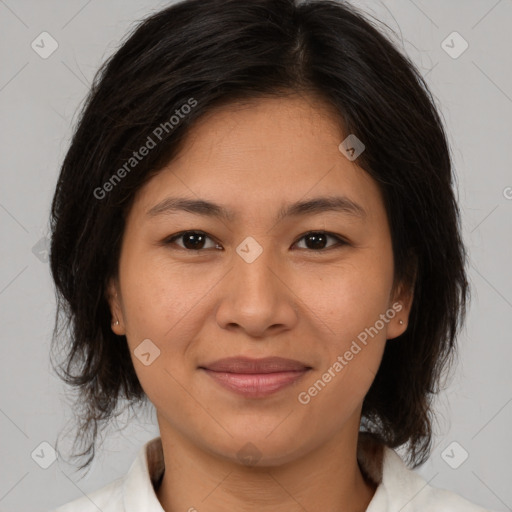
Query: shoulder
{"points": [[442, 500], [106, 499], [405, 490], [133, 492], [400, 488]]}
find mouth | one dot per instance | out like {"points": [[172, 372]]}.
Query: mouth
{"points": [[255, 378]]}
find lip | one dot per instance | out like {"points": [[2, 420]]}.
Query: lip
{"points": [[255, 378], [248, 365]]}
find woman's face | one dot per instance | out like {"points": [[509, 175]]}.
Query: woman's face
{"points": [[258, 282]]}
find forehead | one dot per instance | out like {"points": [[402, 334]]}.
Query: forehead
{"points": [[265, 152], [262, 127]]}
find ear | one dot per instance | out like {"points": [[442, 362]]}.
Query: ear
{"points": [[401, 302], [113, 296]]}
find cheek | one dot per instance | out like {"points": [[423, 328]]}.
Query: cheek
{"points": [[351, 336], [347, 306], [167, 303], [350, 296], [157, 294], [163, 305]]}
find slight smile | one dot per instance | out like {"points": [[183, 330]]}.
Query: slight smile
{"points": [[255, 378]]}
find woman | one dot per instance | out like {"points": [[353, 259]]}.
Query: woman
{"points": [[255, 231]]}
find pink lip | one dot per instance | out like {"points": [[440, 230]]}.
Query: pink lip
{"points": [[255, 378], [255, 385]]}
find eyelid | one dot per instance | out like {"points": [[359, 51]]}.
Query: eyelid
{"points": [[341, 241], [170, 239]]}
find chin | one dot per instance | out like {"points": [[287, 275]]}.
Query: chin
{"points": [[259, 450]]}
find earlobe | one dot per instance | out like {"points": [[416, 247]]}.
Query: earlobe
{"points": [[401, 304], [398, 324], [112, 296], [402, 298]]}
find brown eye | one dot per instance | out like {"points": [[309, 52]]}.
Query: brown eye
{"points": [[192, 240], [317, 240]]}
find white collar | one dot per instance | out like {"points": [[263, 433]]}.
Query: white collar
{"points": [[398, 487]]}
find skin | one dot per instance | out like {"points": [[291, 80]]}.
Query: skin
{"points": [[294, 301]]}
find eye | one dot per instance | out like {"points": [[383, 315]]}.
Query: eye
{"points": [[192, 240], [195, 241], [317, 240]]}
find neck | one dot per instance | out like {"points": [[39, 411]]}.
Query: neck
{"points": [[327, 478]]}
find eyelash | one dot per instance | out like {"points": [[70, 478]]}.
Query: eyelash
{"points": [[340, 241]]}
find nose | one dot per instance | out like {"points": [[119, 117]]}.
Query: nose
{"points": [[256, 298]]}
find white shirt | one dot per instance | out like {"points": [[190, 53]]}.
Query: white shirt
{"points": [[398, 487]]}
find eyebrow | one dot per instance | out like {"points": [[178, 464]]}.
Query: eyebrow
{"points": [[317, 205]]}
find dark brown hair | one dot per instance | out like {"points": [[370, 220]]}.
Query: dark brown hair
{"points": [[210, 53]]}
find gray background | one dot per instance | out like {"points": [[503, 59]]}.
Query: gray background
{"points": [[38, 103]]}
